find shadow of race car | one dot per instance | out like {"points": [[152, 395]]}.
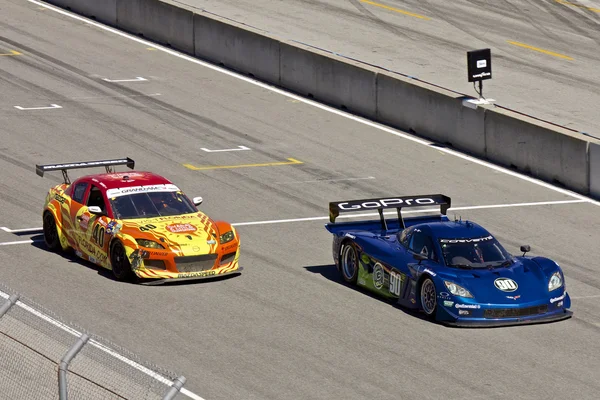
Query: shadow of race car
{"points": [[454, 271]]}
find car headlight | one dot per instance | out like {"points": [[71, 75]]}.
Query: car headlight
{"points": [[555, 281], [457, 290], [149, 243], [226, 237]]}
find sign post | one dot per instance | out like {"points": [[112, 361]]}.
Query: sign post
{"points": [[479, 64]]}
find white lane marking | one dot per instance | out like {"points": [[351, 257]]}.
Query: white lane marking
{"points": [[349, 216], [19, 242], [328, 180], [137, 79], [322, 106], [215, 151], [52, 106], [97, 344]]}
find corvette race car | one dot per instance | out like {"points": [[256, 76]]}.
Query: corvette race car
{"points": [[137, 224], [456, 272]]}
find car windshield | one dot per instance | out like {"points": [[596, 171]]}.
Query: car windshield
{"points": [[483, 252], [151, 204]]}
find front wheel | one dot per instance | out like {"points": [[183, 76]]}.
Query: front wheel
{"points": [[428, 297], [121, 267], [349, 263], [50, 232]]}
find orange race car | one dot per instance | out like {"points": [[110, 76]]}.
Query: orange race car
{"points": [[137, 224]]}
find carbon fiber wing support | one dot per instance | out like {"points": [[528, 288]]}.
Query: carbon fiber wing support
{"points": [[108, 164], [379, 204]]}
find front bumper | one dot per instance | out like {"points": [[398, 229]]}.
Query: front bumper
{"points": [[162, 281], [476, 315]]}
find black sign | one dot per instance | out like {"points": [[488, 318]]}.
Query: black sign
{"points": [[479, 64]]}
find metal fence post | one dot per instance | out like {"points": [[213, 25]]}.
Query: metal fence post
{"points": [[6, 306], [175, 388], [64, 364]]}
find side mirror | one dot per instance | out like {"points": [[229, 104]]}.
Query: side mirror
{"points": [[197, 200], [419, 257], [95, 210], [525, 249]]}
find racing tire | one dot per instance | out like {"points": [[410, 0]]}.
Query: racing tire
{"points": [[428, 296], [121, 267], [51, 232], [349, 263]]}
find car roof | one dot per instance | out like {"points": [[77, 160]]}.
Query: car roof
{"points": [[455, 229], [117, 180]]}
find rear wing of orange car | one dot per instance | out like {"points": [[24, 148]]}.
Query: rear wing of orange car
{"points": [[108, 164], [379, 204]]}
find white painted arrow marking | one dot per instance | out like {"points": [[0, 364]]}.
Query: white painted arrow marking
{"points": [[137, 79], [38, 108], [237, 149]]}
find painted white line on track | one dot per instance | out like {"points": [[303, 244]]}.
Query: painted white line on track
{"points": [[321, 106], [216, 151], [52, 106], [100, 346], [137, 79], [347, 216], [327, 180]]}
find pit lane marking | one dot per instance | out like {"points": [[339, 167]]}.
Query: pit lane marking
{"points": [[548, 52], [323, 107], [291, 161], [38, 108], [239, 148], [12, 53], [136, 79], [281, 221]]}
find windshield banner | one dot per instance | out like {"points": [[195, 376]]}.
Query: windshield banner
{"points": [[141, 189]]}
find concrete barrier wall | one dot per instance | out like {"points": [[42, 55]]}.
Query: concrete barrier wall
{"points": [[508, 138], [595, 169], [430, 112], [236, 46], [538, 148], [328, 78], [104, 11], [159, 21]]}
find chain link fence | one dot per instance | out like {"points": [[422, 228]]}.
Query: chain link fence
{"points": [[43, 358]]}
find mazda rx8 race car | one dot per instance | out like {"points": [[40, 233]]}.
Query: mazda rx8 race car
{"points": [[137, 224], [456, 272]]}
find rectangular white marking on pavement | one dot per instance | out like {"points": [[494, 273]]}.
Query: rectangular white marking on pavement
{"points": [[38, 108], [136, 79], [236, 149]]}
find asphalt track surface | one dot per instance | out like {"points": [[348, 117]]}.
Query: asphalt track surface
{"points": [[286, 328], [544, 52]]}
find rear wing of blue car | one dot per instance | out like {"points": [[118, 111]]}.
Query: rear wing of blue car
{"points": [[380, 204], [108, 164]]}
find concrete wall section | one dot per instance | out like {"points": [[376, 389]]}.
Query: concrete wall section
{"points": [[159, 21], [430, 112], [330, 79], [104, 11], [543, 150], [237, 47], [595, 170]]}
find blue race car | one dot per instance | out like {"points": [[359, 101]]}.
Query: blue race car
{"points": [[456, 272]]}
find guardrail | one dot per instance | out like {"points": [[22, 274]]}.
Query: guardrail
{"points": [[43, 358], [491, 132]]}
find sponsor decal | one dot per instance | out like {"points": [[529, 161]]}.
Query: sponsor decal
{"points": [[141, 189], [378, 276], [448, 303], [350, 236], [430, 272], [78, 253], [84, 221], [513, 297], [476, 306], [211, 241], [555, 299], [559, 304], [464, 312], [113, 228], [506, 284], [181, 228], [444, 295], [59, 198], [386, 203], [196, 274], [469, 240]]}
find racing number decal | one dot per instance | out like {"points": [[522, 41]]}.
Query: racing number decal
{"points": [[98, 235], [395, 283], [147, 227]]}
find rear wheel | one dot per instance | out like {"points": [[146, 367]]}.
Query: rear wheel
{"points": [[349, 262], [121, 267], [50, 232], [428, 297]]}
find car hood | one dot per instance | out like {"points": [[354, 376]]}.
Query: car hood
{"points": [[523, 282]]}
